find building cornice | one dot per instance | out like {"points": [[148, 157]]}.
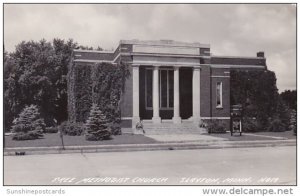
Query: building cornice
{"points": [[169, 43], [168, 55], [157, 63]]}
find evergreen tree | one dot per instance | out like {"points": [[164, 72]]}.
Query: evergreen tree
{"points": [[28, 125], [97, 126]]}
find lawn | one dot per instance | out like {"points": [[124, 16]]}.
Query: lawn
{"points": [[53, 139], [256, 136], [127, 138]]}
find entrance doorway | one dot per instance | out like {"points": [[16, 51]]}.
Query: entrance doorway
{"points": [[166, 92]]}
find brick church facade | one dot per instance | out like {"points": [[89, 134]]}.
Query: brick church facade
{"points": [[171, 81]]}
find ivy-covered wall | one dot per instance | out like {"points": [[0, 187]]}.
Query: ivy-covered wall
{"points": [[257, 92], [90, 83], [80, 92]]}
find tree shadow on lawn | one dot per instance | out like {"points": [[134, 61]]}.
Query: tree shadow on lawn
{"points": [[55, 140]]}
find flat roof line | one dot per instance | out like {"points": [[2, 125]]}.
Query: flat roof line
{"points": [[94, 51]]}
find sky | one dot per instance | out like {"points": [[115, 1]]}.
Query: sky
{"points": [[230, 29]]}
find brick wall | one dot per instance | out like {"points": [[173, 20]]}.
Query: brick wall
{"points": [[205, 100], [223, 76], [93, 55], [205, 51], [238, 61]]}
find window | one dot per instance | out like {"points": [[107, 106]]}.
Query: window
{"points": [[148, 88], [219, 95], [166, 88]]}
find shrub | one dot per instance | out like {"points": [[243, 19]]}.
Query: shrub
{"points": [[276, 125], [51, 130], [283, 114], [216, 126], [293, 121], [71, 128], [250, 125], [25, 136], [97, 126], [294, 129], [256, 91], [203, 124], [28, 125], [113, 116]]}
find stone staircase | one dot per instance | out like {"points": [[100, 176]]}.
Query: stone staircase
{"points": [[168, 127]]}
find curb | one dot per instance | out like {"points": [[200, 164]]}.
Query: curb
{"points": [[149, 147]]}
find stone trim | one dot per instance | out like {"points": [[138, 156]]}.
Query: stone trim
{"points": [[215, 118], [168, 55], [94, 51], [235, 66], [220, 76], [121, 53], [160, 63], [241, 57], [92, 61], [126, 118]]}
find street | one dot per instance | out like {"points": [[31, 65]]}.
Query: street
{"points": [[231, 166]]}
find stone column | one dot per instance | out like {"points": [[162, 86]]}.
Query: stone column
{"points": [[176, 116], [155, 95], [135, 96], [196, 94]]}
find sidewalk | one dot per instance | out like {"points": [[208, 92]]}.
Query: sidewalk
{"points": [[184, 145]]}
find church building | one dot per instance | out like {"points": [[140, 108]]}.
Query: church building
{"points": [[172, 82]]}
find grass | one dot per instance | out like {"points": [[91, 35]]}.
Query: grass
{"points": [[255, 136], [53, 139]]}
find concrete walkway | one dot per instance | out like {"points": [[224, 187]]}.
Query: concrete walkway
{"points": [[185, 137]]}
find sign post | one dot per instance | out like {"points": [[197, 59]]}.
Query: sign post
{"points": [[236, 119]]}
